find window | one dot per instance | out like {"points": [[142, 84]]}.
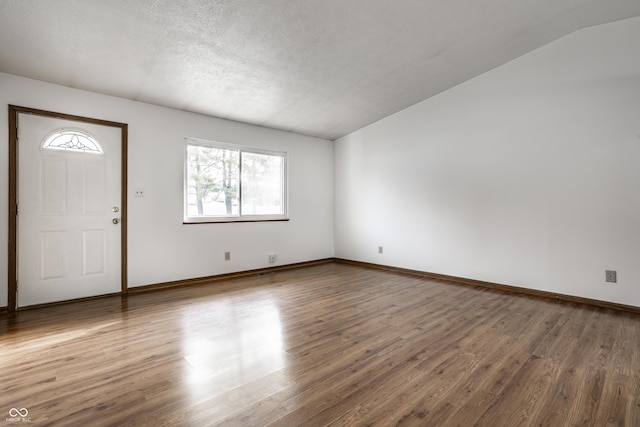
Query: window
{"points": [[225, 182], [77, 140]]}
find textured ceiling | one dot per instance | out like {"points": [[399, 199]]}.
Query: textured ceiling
{"points": [[317, 67]]}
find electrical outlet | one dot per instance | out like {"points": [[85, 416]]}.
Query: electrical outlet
{"points": [[380, 249], [227, 256], [272, 258], [138, 192], [611, 276]]}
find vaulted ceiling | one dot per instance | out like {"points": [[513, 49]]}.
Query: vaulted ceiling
{"points": [[317, 67]]}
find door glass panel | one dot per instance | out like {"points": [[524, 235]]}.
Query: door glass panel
{"points": [[72, 140]]}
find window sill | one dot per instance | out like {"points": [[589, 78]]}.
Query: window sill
{"points": [[233, 221]]}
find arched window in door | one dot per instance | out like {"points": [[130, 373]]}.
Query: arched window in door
{"points": [[68, 139]]}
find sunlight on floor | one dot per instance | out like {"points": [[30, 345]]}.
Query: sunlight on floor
{"points": [[228, 344]]}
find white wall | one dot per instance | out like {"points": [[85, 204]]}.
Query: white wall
{"points": [[160, 247], [528, 175]]}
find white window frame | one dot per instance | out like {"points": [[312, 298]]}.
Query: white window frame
{"points": [[240, 217]]}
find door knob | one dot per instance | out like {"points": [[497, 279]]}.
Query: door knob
{"points": [[116, 221], [116, 209]]}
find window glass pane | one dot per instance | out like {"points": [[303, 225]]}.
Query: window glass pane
{"points": [[212, 181], [72, 140], [262, 184]]}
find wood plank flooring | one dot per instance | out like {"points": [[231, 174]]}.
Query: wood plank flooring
{"points": [[328, 345]]}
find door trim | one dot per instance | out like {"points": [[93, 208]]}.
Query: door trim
{"points": [[14, 111]]}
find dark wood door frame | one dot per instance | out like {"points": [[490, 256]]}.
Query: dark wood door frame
{"points": [[14, 111]]}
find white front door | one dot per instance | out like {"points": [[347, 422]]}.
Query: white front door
{"points": [[69, 195]]}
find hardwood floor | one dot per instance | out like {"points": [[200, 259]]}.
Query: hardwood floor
{"points": [[326, 345]]}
